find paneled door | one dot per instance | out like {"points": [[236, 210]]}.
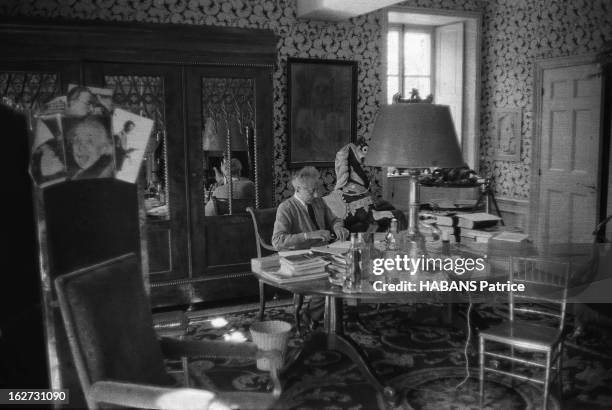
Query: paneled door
{"points": [[567, 204]]}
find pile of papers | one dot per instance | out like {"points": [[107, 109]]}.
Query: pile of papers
{"points": [[337, 265]]}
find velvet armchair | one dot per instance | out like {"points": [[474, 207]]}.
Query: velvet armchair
{"points": [[118, 357]]}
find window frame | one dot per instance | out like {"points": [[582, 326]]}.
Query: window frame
{"points": [[472, 104], [411, 28]]}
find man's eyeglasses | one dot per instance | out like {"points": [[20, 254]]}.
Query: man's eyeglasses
{"points": [[308, 191]]}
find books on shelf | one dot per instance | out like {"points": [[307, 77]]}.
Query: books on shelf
{"points": [[477, 220]]}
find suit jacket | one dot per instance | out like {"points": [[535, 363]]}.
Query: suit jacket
{"points": [[292, 220]]}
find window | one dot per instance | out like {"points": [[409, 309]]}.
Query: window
{"points": [[436, 52], [409, 61]]}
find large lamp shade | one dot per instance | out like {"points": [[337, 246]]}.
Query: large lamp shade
{"points": [[414, 135]]}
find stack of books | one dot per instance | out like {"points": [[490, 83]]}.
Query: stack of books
{"points": [[337, 265], [446, 221], [301, 264], [266, 263], [477, 220], [478, 226]]}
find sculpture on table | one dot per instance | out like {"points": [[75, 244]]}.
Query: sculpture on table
{"points": [[351, 199]]}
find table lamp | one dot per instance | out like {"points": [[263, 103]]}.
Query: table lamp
{"points": [[414, 136]]}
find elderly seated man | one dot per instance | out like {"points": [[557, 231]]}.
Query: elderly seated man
{"points": [[304, 221]]}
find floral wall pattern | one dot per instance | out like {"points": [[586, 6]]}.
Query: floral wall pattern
{"points": [[515, 33]]}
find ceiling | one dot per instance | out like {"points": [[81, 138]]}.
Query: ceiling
{"points": [[338, 10], [415, 18]]}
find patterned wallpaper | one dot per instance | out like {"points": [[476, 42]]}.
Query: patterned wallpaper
{"points": [[516, 32]]}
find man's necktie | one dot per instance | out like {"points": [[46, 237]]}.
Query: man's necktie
{"points": [[312, 216]]}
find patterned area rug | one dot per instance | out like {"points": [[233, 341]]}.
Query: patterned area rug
{"points": [[412, 349]]}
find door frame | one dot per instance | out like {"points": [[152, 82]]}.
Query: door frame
{"points": [[539, 67]]}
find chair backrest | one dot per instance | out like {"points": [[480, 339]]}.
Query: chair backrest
{"points": [[546, 283], [239, 205], [109, 324], [263, 225]]}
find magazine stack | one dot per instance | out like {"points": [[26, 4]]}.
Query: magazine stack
{"points": [[302, 264]]}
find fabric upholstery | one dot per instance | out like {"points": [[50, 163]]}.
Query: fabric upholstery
{"points": [[112, 316]]}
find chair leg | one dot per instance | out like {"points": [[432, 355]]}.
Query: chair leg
{"points": [[262, 300], [560, 372], [481, 344], [185, 364], [298, 301], [546, 379]]}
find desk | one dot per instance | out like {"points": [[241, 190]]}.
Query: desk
{"points": [[332, 336]]}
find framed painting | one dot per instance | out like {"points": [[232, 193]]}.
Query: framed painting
{"points": [[322, 96], [507, 137]]}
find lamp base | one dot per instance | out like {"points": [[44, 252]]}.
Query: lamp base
{"points": [[414, 248], [414, 240]]}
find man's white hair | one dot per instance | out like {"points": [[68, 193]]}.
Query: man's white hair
{"points": [[306, 175]]}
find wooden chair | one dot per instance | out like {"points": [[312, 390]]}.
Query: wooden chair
{"points": [[120, 361], [545, 296], [263, 224], [239, 206]]}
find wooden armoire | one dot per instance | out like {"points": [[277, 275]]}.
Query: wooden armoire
{"points": [[191, 80], [183, 77]]}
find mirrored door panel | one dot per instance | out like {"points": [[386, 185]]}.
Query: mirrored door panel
{"points": [[228, 118], [145, 90], [227, 115], [145, 96]]}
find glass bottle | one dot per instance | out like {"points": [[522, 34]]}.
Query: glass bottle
{"points": [[392, 239], [393, 247], [365, 242], [352, 281]]}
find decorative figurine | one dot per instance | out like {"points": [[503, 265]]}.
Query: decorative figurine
{"points": [[351, 199]]}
